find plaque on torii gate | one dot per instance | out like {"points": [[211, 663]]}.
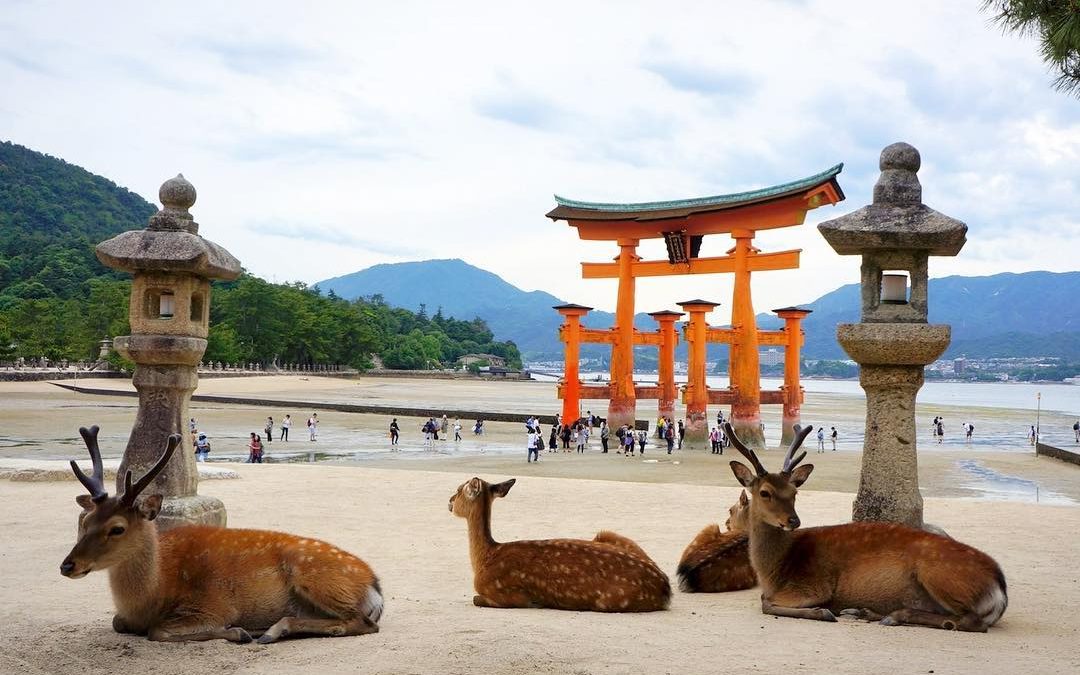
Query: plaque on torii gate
{"points": [[682, 224]]}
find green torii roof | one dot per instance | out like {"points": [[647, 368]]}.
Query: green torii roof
{"points": [[571, 208]]}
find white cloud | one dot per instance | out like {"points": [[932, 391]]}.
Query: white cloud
{"points": [[331, 138]]}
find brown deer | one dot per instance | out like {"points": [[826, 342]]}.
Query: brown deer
{"points": [[205, 583], [871, 570], [718, 562], [608, 574]]}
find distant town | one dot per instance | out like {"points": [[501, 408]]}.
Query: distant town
{"points": [[960, 369]]}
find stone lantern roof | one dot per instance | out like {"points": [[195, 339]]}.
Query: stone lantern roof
{"points": [[897, 219], [171, 241]]}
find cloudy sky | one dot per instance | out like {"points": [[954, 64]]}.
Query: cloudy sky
{"points": [[328, 138]]}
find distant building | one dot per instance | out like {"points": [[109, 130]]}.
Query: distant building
{"points": [[959, 365], [490, 359], [771, 357]]}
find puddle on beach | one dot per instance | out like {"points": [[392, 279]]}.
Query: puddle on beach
{"points": [[994, 486]]}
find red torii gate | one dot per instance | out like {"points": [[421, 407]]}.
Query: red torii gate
{"points": [[682, 225]]}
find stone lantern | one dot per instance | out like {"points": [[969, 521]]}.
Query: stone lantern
{"points": [[893, 342], [169, 314]]}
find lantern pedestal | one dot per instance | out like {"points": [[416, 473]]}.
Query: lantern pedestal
{"points": [[891, 358]]}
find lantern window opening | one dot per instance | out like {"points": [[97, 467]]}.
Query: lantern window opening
{"points": [[197, 310], [166, 305], [895, 289]]}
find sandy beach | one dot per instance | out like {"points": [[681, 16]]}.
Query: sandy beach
{"points": [[391, 510]]}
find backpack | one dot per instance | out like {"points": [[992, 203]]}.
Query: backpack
{"points": [[669, 432]]}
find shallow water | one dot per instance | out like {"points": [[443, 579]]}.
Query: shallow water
{"points": [[995, 486]]}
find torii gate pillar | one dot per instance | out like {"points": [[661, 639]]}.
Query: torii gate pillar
{"points": [[622, 403], [570, 334], [792, 389], [666, 365], [744, 370], [696, 394]]}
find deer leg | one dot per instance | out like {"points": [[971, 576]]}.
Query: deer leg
{"points": [[178, 632], [967, 622], [120, 626], [506, 600], [815, 613], [292, 626], [862, 613]]}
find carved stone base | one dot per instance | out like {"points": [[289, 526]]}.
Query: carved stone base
{"points": [[196, 510]]}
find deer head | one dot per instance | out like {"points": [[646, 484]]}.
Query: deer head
{"points": [[774, 493], [738, 519], [108, 526], [477, 494]]}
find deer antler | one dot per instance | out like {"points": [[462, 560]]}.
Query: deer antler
{"points": [[96, 482], [743, 450], [131, 492], [791, 461]]}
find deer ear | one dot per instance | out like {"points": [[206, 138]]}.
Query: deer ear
{"points": [[743, 499], [473, 488], [742, 474], [500, 489], [799, 475], [85, 501], [149, 506]]}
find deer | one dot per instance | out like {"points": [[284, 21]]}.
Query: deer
{"points": [[608, 574], [876, 571], [197, 582], [719, 562]]}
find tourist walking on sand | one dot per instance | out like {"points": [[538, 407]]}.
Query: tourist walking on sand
{"points": [[660, 426], [395, 431], [444, 425], [579, 436], [1033, 437], [1076, 430], [193, 429], [833, 437], [457, 430], [821, 439], [940, 431], [286, 424], [642, 436], [268, 428], [565, 433], [553, 439], [255, 449], [313, 427], [969, 429], [605, 433], [628, 442], [682, 433], [669, 436], [714, 439]]}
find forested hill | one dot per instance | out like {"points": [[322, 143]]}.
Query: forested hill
{"points": [[57, 300]]}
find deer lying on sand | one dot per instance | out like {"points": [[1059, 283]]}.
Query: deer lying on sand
{"points": [[871, 570], [609, 574], [718, 562], [205, 583]]}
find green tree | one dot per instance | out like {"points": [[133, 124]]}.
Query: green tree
{"points": [[1056, 24]]}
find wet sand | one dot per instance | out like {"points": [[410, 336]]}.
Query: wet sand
{"points": [[39, 420]]}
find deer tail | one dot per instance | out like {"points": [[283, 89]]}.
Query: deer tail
{"points": [[372, 604]]}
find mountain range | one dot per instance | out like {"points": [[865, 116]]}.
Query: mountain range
{"points": [[1003, 315]]}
